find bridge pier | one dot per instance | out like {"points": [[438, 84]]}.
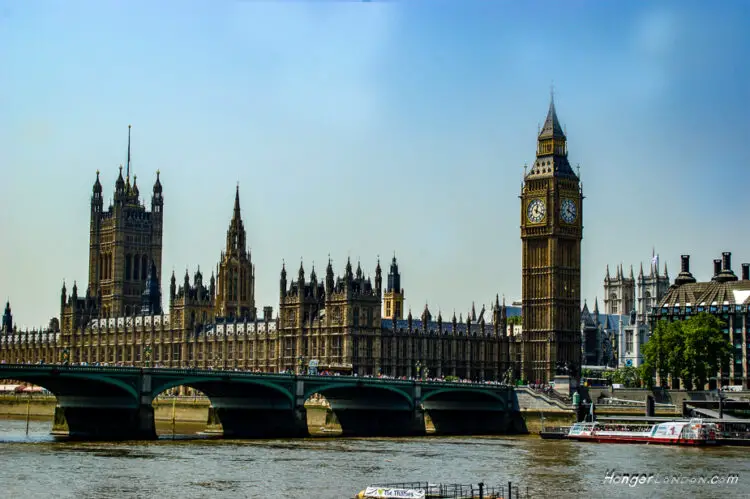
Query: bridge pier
{"points": [[380, 423], [234, 422], [105, 423]]}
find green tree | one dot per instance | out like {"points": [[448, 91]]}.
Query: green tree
{"points": [[515, 320], [654, 353], [693, 350], [706, 349], [646, 373], [627, 376]]}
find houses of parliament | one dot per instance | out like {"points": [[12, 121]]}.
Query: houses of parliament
{"points": [[345, 323]]}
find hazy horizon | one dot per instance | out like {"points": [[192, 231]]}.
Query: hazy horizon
{"points": [[359, 129]]}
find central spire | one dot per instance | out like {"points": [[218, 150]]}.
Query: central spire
{"points": [[236, 233], [552, 128], [236, 215]]}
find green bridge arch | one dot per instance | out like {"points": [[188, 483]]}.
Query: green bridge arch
{"points": [[192, 382], [499, 398], [354, 385]]}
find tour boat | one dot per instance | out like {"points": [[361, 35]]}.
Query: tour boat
{"points": [[692, 432]]}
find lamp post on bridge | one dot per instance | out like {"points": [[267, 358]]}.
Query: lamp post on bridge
{"points": [[147, 355], [418, 367]]}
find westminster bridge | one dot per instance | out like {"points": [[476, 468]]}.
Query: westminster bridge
{"points": [[115, 402]]}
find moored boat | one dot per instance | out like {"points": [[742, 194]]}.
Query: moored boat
{"points": [[554, 432], [692, 432]]}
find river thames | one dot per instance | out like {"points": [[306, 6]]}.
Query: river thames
{"points": [[188, 466]]}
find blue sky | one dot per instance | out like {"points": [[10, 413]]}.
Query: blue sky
{"points": [[357, 129]]}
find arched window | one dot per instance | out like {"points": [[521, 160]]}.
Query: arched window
{"points": [[613, 303], [356, 316], [128, 265], [136, 266], [144, 267]]}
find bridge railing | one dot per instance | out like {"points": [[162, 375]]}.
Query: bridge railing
{"points": [[223, 373]]}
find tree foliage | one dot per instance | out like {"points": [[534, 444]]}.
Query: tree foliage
{"points": [[516, 320], [693, 350]]}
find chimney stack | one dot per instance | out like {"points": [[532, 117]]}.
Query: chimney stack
{"points": [[717, 267], [684, 277], [726, 264], [685, 266], [746, 271]]}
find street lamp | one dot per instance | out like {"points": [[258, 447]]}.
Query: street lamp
{"points": [[418, 366], [299, 365], [147, 355]]}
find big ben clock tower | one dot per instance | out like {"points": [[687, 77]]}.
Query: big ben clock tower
{"points": [[551, 233]]}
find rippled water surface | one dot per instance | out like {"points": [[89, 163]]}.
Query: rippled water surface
{"points": [[37, 465]]}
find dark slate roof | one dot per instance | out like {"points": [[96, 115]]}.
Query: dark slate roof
{"points": [[551, 165], [447, 323], [707, 294], [551, 126]]}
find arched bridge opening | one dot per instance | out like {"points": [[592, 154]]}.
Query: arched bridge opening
{"points": [[91, 406], [244, 408], [364, 410], [467, 412]]}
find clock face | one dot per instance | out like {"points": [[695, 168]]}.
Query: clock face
{"points": [[535, 211], [568, 211]]}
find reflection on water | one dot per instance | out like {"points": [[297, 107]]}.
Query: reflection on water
{"points": [[188, 466]]}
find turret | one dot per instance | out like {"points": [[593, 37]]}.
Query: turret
{"points": [[359, 271], [212, 286], [120, 187], [97, 202], [63, 296], [348, 273], [282, 281], [301, 275], [426, 316], [198, 282], [186, 282], [134, 189], [7, 319], [157, 200], [378, 279], [172, 288], [75, 293], [329, 277]]}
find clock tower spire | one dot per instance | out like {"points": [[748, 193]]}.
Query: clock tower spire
{"points": [[551, 233]]}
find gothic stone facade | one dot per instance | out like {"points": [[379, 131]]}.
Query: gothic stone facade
{"points": [[337, 322]]}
